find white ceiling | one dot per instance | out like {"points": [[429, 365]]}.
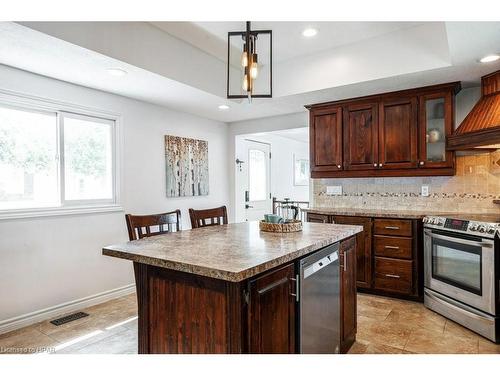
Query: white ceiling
{"points": [[288, 42], [297, 134], [179, 64]]}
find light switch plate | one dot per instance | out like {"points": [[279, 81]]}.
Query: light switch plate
{"points": [[425, 190], [334, 190]]}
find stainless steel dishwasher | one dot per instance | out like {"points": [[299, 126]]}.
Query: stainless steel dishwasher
{"points": [[319, 296]]}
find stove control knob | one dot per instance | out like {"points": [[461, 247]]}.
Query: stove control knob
{"points": [[440, 222], [491, 230], [482, 228], [473, 227], [425, 219]]}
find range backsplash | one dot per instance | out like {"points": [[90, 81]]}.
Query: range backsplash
{"points": [[472, 189]]}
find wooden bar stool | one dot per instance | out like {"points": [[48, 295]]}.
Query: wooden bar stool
{"points": [[208, 217], [140, 226]]}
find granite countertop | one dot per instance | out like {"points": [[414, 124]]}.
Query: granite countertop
{"points": [[402, 214], [371, 212], [232, 252]]}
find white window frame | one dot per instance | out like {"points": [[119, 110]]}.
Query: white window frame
{"points": [[62, 110]]}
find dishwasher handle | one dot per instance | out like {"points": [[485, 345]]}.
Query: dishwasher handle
{"points": [[320, 264]]}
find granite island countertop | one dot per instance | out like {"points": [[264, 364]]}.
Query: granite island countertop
{"points": [[232, 252]]}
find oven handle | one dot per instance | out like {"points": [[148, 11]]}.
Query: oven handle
{"points": [[462, 308], [486, 243]]}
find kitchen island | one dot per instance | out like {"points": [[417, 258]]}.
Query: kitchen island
{"points": [[229, 288]]}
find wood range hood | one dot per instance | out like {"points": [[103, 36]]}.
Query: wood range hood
{"points": [[481, 127]]}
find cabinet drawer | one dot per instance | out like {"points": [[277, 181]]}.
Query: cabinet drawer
{"points": [[393, 227], [393, 247], [394, 275], [318, 218]]}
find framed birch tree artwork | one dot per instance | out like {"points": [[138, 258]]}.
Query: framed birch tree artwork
{"points": [[186, 166]]}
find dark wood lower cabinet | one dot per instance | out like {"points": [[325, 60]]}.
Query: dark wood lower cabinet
{"points": [[389, 254], [272, 311], [363, 248], [348, 300]]}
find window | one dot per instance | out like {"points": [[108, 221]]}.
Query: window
{"points": [[257, 172], [55, 159]]}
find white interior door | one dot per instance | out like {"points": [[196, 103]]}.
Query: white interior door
{"points": [[258, 176]]}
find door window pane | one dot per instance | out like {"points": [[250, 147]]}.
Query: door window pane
{"points": [[88, 166], [28, 159], [257, 175], [458, 267]]}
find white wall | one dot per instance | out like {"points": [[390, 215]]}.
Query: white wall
{"points": [[52, 260], [282, 169]]}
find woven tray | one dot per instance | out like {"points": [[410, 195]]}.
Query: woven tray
{"points": [[294, 226]]}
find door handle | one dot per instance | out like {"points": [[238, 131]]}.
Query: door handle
{"points": [[392, 227], [391, 247], [247, 206]]}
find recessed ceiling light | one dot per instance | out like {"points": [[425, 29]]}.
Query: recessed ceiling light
{"points": [[117, 72], [489, 58], [223, 107], [309, 32]]}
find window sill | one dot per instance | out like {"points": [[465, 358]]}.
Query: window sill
{"points": [[58, 211]]}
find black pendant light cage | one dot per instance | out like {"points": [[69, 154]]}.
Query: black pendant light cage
{"points": [[249, 39]]}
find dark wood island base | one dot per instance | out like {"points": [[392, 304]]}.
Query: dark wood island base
{"points": [[186, 313], [233, 289]]}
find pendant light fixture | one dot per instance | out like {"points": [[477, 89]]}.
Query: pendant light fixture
{"points": [[249, 70]]}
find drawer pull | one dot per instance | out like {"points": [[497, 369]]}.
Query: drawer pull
{"points": [[392, 227], [392, 247], [392, 276]]}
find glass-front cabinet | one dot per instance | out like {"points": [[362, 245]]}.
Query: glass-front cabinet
{"points": [[435, 125]]}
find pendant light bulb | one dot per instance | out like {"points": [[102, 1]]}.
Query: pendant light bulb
{"points": [[254, 70], [244, 59], [245, 82]]}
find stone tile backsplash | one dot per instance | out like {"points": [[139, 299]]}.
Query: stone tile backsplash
{"points": [[472, 189]]}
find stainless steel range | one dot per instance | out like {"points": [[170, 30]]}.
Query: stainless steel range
{"points": [[462, 270]]}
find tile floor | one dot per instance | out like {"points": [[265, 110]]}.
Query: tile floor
{"points": [[110, 328], [385, 325]]}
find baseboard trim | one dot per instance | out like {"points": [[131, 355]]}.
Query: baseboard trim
{"points": [[54, 311]]}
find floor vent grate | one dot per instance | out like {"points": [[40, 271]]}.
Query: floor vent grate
{"points": [[68, 318]]}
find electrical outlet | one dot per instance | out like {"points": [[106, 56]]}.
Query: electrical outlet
{"points": [[425, 190], [334, 190]]}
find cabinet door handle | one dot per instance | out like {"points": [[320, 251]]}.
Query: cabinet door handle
{"points": [[296, 294], [391, 247], [380, 165], [422, 163], [392, 227], [375, 165], [393, 276], [345, 260], [339, 166]]}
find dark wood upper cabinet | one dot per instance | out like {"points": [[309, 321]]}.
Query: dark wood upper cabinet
{"points": [[435, 125], [326, 140], [272, 310], [393, 134], [398, 133], [361, 136]]}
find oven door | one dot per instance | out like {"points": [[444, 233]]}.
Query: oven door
{"points": [[460, 266]]}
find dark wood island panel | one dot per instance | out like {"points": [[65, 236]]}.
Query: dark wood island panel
{"points": [[231, 288]]}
